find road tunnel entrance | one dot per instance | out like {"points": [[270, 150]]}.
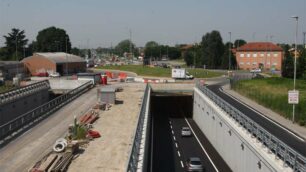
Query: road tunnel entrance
{"points": [[164, 108]]}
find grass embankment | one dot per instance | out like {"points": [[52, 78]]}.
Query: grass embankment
{"points": [[5, 88], [273, 93], [161, 72]]}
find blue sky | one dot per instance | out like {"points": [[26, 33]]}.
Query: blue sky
{"points": [[93, 23]]}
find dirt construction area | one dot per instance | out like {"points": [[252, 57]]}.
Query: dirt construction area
{"points": [[117, 125]]}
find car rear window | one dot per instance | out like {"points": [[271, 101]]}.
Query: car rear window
{"points": [[195, 162]]}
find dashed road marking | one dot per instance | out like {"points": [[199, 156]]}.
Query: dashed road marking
{"points": [[176, 145], [202, 146], [179, 154], [171, 126], [172, 132], [182, 164], [254, 110], [174, 138]]}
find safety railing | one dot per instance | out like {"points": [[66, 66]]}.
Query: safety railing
{"points": [[23, 91], [291, 157], [41, 112], [140, 146]]}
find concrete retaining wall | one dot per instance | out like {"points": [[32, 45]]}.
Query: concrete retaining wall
{"points": [[14, 109], [239, 150]]}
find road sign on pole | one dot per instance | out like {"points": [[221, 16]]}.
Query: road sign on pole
{"points": [[293, 97]]}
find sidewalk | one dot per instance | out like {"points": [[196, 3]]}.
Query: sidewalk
{"points": [[295, 128]]}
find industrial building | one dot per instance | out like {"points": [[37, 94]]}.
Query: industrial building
{"points": [[62, 63], [9, 69]]}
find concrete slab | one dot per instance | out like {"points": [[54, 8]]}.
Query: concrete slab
{"points": [[117, 127]]}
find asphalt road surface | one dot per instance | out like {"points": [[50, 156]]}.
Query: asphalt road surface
{"points": [[170, 150], [274, 128], [21, 153]]}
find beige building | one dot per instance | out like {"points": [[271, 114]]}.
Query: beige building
{"points": [[54, 62], [264, 55]]}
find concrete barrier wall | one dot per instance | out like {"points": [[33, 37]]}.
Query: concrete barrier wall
{"points": [[239, 150], [14, 109]]}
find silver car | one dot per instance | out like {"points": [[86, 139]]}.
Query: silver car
{"points": [[194, 164], [185, 132]]}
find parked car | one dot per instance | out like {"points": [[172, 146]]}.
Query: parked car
{"points": [[194, 164], [55, 74], [185, 132], [255, 70], [41, 74]]}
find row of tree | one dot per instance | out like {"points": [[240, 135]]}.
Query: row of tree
{"points": [[213, 53], [51, 39]]}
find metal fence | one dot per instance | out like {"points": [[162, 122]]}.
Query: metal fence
{"points": [[291, 157], [41, 112], [142, 126], [23, 91]]}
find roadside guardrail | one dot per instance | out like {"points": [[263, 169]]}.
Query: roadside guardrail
{"points": [[41, 112], [291, 157]]}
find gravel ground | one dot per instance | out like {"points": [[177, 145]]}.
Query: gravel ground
{"points": [[116, 126]]}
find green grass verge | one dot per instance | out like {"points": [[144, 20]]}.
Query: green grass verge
{"points": [[160, 72], [273, 93], [4, 88]]}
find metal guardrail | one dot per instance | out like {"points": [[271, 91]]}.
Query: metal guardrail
{"points": [[291, 157], [135, 152], [23, 91], [41, 111]]}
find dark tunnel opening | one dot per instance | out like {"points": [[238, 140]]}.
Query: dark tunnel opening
{"points": [[164, 107]]}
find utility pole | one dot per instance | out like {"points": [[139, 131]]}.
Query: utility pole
{"points": [[66, 56], [229, 51], [295, 56], [17, 55], [304, 43], [131, 44]]}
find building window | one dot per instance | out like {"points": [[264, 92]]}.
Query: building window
{"points": [[242, 63], [248, 63], [268, 54], [241, 55], [248, 55], [254, 63], [262, 54], [275, 55], [275, 63], [254, 55], [268, 63]]}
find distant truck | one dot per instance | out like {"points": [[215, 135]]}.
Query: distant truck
{"points": [[180, 74]]}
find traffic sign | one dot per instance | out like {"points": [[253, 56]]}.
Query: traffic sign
{"points": [[293, 97]]}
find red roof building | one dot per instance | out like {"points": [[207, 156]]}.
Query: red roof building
{"points": [[264, 55]]}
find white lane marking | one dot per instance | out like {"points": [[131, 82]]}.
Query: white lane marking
{"points": [[182, 164], [264, 116], [172, 132], [171, 126], [169, 122], [174, 138], [202, 146], [179, 154], [176, 145]]}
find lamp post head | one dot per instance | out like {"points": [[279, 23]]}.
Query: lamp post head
{"points": [[295, 17]]}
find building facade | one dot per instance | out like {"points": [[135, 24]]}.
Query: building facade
{"points": [[263, 55], [54, 62], [9, 69]]}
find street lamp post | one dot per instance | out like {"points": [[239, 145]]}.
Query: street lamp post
{"points": [[295, 56], [229, 51]]}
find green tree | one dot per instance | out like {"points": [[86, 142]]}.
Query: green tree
{"points": [[239, 42], [152, 49], [52, 39], [124, 47], [15, 39], [212, 50], [225, 57], [288, 67]]}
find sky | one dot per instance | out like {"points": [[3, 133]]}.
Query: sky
{"points": [[104, 23]]}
